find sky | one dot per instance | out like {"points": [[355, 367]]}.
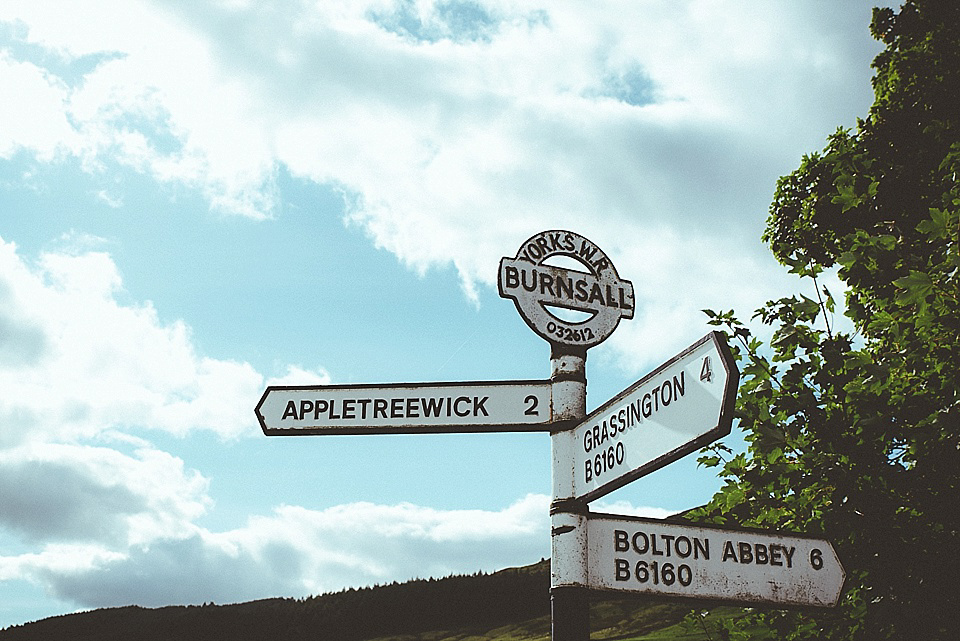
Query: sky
{"points": [[200, 199]]}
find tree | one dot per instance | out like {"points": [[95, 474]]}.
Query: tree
{"points": [[856, 437]]}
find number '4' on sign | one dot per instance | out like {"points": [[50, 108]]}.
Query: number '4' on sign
{"points": [[706, 374]]}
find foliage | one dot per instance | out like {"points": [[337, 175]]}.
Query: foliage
{"points": [[857, 437]]}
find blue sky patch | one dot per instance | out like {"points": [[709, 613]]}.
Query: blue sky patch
{"points": [[456, 20]]}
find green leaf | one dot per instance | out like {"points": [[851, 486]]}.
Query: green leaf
{"points": [[937, 226], [915, 288]]}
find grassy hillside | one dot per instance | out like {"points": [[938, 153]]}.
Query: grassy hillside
{"points": [[510, 605]]}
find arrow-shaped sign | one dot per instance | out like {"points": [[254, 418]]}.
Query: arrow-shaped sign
{"points": [[678, 408], [506, 406], [630, 554]]}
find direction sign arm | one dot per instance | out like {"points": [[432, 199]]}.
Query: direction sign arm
{"points": [[674, 410]]}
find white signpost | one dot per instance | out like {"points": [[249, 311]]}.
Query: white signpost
{"points": [[406, 408], [676, 409], [648, 556], [679, 407]]}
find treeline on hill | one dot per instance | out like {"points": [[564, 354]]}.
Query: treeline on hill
{"points": [[480, 601], [509, 604]]}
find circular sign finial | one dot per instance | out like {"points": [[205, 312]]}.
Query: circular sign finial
{"points": [[536, 287]]}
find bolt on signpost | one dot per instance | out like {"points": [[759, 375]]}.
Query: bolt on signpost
{"points": [[677, 408]]}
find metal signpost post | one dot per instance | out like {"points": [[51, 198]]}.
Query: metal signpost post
{"points": [[536, 288], [676, 409]]}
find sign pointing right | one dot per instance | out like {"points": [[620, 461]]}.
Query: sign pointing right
{"points": [[676, 409], [631, 554]]}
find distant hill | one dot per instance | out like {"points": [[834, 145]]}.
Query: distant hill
{"points": [[510, 604]]}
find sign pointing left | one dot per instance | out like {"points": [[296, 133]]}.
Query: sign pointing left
{"points": [[413, 408]]}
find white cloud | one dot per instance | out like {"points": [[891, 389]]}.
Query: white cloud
{"points": [[628, 509], [454, 136], [293, 552], [32, 110], [296, 552], [296, 375], [117, 521], [80, 363], [437, 134], [88, 495]]}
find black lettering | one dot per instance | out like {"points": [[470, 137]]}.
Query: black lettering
{"points": [[379, 408], [775, 551], [596, 294], [543, 243], [305, 406], [546, 284], [363, 406], [319, 407], [647, 407], [622, 572], [653, 546], [478, 405], [396, 408], [728, 552], [532, 287], [611, 302], [760, 553], [456, 406], [582, 294], [678, 384], [534, 251], [623, 303], [349, 408], [564, 284], [701, 546], [431, 406], [668, 539], [682, 546], [413, 408], [291, 410], [621, 542], [746, 552], [511, 277], [588, 471], [333, 407], [601, 264], [646, 543], [789, 555], [587, 251]]}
